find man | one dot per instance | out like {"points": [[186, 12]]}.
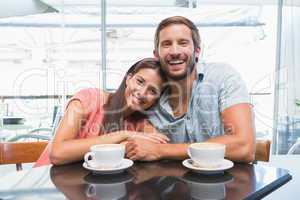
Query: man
{"points": [[204, 102]]}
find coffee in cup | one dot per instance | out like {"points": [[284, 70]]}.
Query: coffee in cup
{"points": [[105, 155], [206, 154]]}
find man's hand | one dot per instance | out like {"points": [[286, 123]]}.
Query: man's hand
{"points": [[153, 137], [142, 149]]}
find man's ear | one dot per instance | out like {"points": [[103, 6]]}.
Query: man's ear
{"points": [[197, 53], [155, 53]]}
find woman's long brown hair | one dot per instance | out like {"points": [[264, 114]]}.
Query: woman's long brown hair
{"points": [[114, 108]]}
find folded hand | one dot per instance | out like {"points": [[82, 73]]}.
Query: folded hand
{"points": [[153, 137], [142, 149]]}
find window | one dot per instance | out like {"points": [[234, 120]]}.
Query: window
{"points": [[47, 57]]}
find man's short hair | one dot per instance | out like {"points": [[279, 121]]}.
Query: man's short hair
{"points": [[178, 20]]}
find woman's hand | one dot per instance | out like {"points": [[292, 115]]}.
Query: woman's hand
{"points": [[154, 137]]}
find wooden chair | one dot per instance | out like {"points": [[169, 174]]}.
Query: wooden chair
{"points": [[21, 152], [262, 150]]}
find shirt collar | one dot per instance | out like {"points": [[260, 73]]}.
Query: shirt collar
{"points": [[200, 68], [163, 100]]}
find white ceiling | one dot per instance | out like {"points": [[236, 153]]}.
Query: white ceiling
{"points": [[249, 2], [10, 8], [163, 3]]}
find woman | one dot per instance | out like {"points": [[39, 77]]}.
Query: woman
{"points": [[92, 113]]}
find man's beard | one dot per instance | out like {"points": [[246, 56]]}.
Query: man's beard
{"points": [[189, 69]]}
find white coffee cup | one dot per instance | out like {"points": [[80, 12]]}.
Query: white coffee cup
{"points": [[206, 154], [105, 155]]}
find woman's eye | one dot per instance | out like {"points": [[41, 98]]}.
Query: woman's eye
{"points": [[153, 92], [140, 82]]}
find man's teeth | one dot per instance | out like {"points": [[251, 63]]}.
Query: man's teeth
{"points": [[175, 62]]}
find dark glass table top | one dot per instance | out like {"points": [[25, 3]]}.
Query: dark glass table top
{"points": [[144, 180]]}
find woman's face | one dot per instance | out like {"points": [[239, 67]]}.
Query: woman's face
{"points": [[143, 89]]}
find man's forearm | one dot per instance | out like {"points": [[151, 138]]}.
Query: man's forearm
{"points": [[173, 151], [237, 149]]}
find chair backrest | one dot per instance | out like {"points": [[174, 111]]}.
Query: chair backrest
{"points": [[36, 133], [21, 152], [262, 150]]}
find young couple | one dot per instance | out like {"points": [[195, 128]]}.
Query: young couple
{"points": [[162, 105]]}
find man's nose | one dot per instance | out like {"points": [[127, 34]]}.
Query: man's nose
{"points": [[174, 50]]}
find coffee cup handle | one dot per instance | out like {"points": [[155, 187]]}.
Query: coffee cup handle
{"points": [[90, 191], [189, 153], [87, 157]]}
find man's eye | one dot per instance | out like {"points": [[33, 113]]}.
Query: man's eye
{"points": [[165, 44], [183, 43]]}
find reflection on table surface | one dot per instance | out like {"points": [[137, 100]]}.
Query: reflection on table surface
{"points": [[145, 180]]}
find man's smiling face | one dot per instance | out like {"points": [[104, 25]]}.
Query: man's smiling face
{"points": [[176, 51]]}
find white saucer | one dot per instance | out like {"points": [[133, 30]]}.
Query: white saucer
{"points": [[226, 164], [126, 163]]}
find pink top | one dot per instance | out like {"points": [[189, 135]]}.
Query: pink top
{"points": [[92, 101]]}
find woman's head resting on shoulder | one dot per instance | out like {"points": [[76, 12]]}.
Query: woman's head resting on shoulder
{"points": [[139, 90], [144, 83]]}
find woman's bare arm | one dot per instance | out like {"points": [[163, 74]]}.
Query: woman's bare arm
{"points": [[66, 147]]}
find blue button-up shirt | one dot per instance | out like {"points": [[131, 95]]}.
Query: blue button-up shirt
{"points": [[217, 87]]}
